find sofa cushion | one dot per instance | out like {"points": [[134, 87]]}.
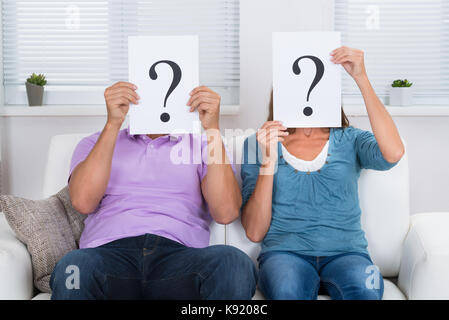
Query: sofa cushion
{"points": [[47, 227], [76, 220]]}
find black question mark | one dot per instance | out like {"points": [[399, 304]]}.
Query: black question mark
{"points": [[177, 74], [318, 75]]}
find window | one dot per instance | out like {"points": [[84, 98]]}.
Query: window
{"points": [[401, 39], [81, 46]]}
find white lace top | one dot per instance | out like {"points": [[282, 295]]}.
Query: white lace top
{"points": [[303, 165]]}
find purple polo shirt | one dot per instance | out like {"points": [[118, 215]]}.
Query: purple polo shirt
{"points": [[151, 190]]}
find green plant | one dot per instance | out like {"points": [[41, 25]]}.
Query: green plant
{"points": [[37, 79], [401, 83]]}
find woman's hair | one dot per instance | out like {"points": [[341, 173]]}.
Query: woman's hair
{"points": [[344, 118]]}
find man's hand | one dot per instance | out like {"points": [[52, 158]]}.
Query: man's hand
{"points": [[207, 102], [118, 97]]}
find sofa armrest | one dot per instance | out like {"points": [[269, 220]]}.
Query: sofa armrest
{"points": [[425, 257], [16, 275]]}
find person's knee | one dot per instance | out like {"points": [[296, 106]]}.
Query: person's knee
{"points": [[358, 291], [363, 293], [369, 285], [237, 275], [286, 289], [75, 273], [285, 276], [283, 291]]}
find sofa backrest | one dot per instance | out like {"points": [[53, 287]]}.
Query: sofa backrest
{"points": [[384, 201], [58, 162]]}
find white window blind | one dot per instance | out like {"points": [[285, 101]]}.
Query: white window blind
{"points": [[81, 46], [401, 39]]}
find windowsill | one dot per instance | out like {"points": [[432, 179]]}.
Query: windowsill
{"points": [[226, 110], [77, 111], [402, 111]]}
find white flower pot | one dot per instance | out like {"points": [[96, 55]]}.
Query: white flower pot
{"points": [[401, 96]]}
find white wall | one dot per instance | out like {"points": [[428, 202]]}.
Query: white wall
{"points": [[25, 139], [25, 142]]}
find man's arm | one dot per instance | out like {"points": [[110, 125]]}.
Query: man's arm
{"points": [[90, 178], [219, 187]]}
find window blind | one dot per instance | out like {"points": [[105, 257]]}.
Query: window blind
{"points": [[82, 45], [401, 39]]}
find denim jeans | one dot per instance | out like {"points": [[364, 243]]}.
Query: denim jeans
{"points": [[154, 267], [290, 276]]}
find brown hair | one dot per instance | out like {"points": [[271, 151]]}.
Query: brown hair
{"points": [[344, 118]]}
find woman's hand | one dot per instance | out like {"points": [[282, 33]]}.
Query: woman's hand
{"points": [[207, 102], [352, 60], [268, 137]]}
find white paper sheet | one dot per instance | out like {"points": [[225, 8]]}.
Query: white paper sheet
{"points": [[323, 108], [150, 116]]}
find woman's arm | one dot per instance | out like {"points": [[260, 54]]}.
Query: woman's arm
{"points": [[384, 129], [256, 214]]}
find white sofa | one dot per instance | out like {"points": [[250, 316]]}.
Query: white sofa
{"points": [[412, 252]]}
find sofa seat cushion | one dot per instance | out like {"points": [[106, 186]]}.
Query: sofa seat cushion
{"points": [[391, 292], [42, 296]]}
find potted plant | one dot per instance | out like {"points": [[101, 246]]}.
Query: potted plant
{"points": [[401, 93], [35, 89]]}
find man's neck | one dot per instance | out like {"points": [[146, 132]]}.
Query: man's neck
{"points": [[155, 136]]}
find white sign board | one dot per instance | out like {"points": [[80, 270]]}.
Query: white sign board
{"points": [[165, 69], [306, 84]]}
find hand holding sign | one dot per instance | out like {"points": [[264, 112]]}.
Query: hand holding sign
{"points": [[165, 69], [207, 102], [352, 60], [118, 97], [306, 84]]}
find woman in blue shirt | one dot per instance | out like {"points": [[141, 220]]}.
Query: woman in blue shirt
{"points": [[300, 199]]}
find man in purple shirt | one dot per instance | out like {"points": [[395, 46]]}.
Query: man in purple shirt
{"points": [[147, 231]]}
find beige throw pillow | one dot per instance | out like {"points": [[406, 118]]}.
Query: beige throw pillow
{"points": [[49, 228]]}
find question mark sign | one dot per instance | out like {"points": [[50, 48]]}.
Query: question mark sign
{"points": [[318, 75], [177, 74]]}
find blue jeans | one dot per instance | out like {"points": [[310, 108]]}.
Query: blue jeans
{"points": [[290, 276], [154, 267]]}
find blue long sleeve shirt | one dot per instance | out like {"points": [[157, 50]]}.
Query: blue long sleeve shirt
{"points": [[317, 213]]}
